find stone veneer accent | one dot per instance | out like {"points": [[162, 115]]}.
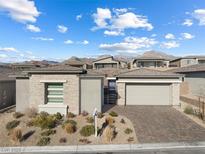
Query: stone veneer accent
{"points": [[71, 90], [175, 93], [121, 93]]}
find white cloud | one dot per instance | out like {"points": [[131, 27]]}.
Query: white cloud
{"points": [[130, 44], [62, 28], [169, 36], [119, 20], [68, 42], [187, 36], [20, 10], [33, 28], [78, 17], [85, 42], [42, 38], [101, 16], [8, 49], [187, 22], [113, 33], [3, 56], [199, 14], [170, 44]]}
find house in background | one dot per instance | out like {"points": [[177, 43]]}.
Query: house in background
{"points": [[187, 61], [59, 89], [79, 63], [149, 62], [194, 79], [108, 62]]}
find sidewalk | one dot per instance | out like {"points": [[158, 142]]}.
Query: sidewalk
{"points": [[106, 148]]}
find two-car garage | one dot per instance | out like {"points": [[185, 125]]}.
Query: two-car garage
{"points": [[148, 87], [148, 94]]}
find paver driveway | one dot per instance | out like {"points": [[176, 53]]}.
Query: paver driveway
{"points": [[160, 124]]}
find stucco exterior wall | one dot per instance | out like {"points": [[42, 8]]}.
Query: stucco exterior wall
{"points": [[121, 93], [196, 82], [71, 90], [105, 61], [187, 62], [22, 94], [175, 94], [91, 94]]}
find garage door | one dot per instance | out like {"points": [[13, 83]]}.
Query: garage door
{"points": [[148, 94]]}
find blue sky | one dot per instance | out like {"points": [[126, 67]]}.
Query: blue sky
{"points": [[58, 29]]}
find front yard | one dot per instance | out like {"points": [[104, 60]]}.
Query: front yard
{"points": [[42, 129]]}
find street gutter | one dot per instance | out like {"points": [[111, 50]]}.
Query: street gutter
{"points": [[105, 148]]}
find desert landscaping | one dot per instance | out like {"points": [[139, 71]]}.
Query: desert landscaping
{"points": [[41, 129]]}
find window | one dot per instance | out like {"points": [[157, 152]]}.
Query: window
{"points": [[54, 93]]}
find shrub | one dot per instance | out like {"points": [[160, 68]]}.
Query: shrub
{"points": [[16, 134], [70, 115], [110, 133], [63, 140], [89, 119], [70, 128], [73, 122], [48, 132], [128, 131], [44, 141], [109, 121], [84, 140], [31, 112], [44, 121], [100, 115], [113, 114], [17, 115], [29, 123], [130, 139], [12, 124], [189, 110], [58, 116], [122, 121], [87, 130], [84, 113]]}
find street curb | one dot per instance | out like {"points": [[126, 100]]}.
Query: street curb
{"points": [[104, 148]]}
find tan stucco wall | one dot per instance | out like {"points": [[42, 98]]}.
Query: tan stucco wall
{"points": [[183, 62], [71, 90], [107, 60], [175, 93], [121, 93], [22, 94]]}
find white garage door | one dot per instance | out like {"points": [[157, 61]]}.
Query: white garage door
{"points": [[148, 94]]}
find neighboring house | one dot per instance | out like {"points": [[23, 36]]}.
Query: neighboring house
{"points": [[79, 64], [149, 62], [23, 66], [148, 87], [108, 62], [194, 77], [187, 61], [59, 89]]}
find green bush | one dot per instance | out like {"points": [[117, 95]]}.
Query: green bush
{"points": [[48, 132], [44, 121], [73, 122], [17, 115], [100, 115], [12, 124], [58, 116], [89, 119], [44, 141], [128, 131], [70, 128], [113, 114], [189, 110], [70, 115], [87, 130]]}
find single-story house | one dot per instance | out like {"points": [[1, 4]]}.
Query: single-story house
{"points": [[149, 62], [194, 76], [148, 87], [59, 89], [108, 62], [187, 61], [78, 63]]}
